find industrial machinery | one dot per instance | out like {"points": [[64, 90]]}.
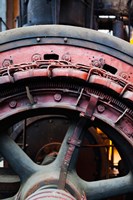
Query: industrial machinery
{"points": [[66, 97]]}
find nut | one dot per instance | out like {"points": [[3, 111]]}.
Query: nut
{"points": [[66, 57], [57, 97], [13, 104], [65, 40], [101, 108], [6, 63], [36, 57], [38, 39]]}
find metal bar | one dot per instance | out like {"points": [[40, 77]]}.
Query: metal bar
{"points": [[2, 21], [16, 157], [73, 142]]}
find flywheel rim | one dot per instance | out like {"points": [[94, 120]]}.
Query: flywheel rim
{"points": [[88, 98], [107, 123]]}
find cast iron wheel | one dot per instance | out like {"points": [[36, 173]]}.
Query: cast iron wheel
{"points": [[87, 93]]}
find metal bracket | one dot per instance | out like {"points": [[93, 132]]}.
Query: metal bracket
{"points": [[91, 107], [73, 143], [30, 97], [121, 116]]}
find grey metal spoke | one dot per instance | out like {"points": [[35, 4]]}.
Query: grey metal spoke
{"points": [[64, 146], [75, 126], [81, 128], [17, 158], [108, 188]]}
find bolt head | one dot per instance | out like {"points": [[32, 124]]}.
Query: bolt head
{"points": [[36, 57], [38, 39], [57, 97], [6, 63], [101, 108], [65, 40], [13, 104]]}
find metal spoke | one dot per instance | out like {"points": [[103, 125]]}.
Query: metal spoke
{"points": [[64, 146], [75, 127], [108, 188], [81, 129], [16, 157]]}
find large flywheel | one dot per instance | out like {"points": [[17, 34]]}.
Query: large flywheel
{"points": [[58, 85]]}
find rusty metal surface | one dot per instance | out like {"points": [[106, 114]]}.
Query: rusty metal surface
{"points": [[113, 114], [89, 83], [76, 55], [75, 36], [51, 194]]}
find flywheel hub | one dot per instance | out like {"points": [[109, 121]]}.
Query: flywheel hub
{"points": [[52, 194]]}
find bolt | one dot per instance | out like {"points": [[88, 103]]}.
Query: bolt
{"points": [[102, 61], [92, 118], [101, 108], [36, 57], [38, 39], [124, 75], [82, 114], [66, 163], [13, 104], [66, 57], [6, 63], [96, 63], [57, 97], [78, 142], [65, 40]]}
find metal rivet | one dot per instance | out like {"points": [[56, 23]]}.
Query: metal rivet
{"points": [[38, 39], [101, 108], [66, 57], [65, 39], [6, 63], [13, 104], [57, 97], [124, 75], [36, 57]]}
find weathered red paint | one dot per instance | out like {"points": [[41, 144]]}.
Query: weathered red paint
{"points": [[78, 55]]}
